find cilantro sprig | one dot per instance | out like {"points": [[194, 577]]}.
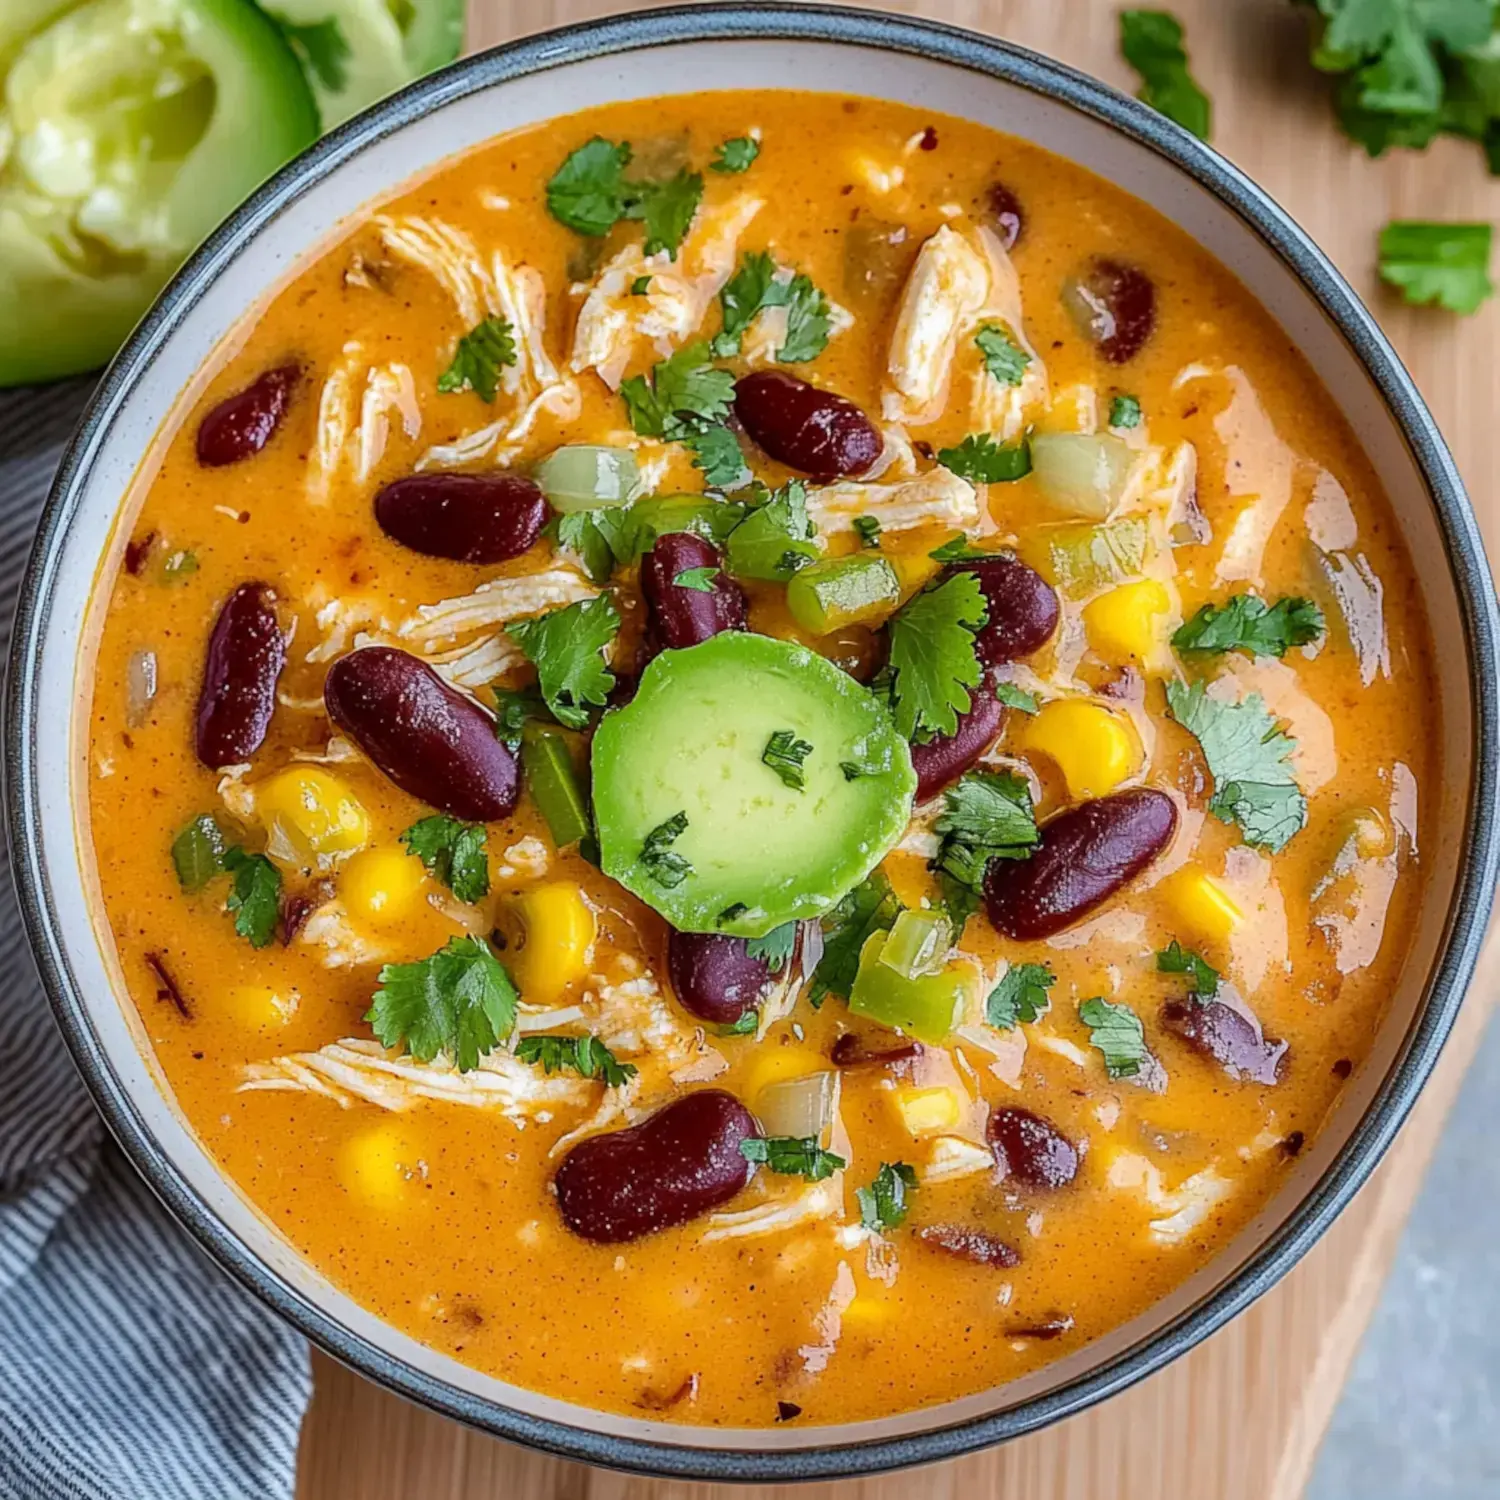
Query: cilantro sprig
{"points": [[1003, 357], [459, 1002], [777, 536], [887, 1201], [565, 646], [685, 400], [792, 1156], [1151, 42], [735, 155], [932, 657], [585, 1055], [981, 460], [1202, 977], [758, 284], [591, 192], [1247, 623], [775, 949], [987, 815], [1117, 1032], [255, 897], [481, 354], [1446, 264], [453, 852], [1021, 995], [870, 907]]}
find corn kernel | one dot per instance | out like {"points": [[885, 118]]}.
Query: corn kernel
{"points": [[372, 1165], [310, 816], [914, 570], [779, 1065], [1094, 747], [557, 943], [381, 886], [260, 1006], [1201, 904], [868, 1313], [928, 1111], [1129, 623]]}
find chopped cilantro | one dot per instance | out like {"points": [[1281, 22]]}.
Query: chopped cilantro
{"points": [[746, 1023], [867, 528], [684, 389], [1124, 412], [1020, 996], [717, 452], [981, 460], [513, 706], [792, 1156], [640, 286], [870, 907], [321, 48], [785, 753], [666, 208], [662, 865], [585, 1055], [1004, 358], [460, 1002], [775, 948], [986, 816], [453, 852], [887, 1201], [583, 534], [932, 656], [959, 549], [752, 287], [588, 192], [1246, 623], [735, 155], [198, 852], [1249, 760], [807, 323], [776, 538], [1117, 1032], [178, 566], [477, 361], [565, 645], [255, 897], [1443, 263], [1015, 697], [1151, 42], [700, 580], [1203, 979]]}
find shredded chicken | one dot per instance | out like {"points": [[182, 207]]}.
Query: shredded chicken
{"points": [[952, 1156], [493, 604], [935, 498], [1183, 1208], [818, 1200]]}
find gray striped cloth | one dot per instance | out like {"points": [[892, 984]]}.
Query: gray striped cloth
{"points": [[131, 1368]]}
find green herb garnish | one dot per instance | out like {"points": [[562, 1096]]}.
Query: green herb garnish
{"points": [[735, 155], [1124, 413], [565, 646], [981, 460], [1004, 358], [513, 707], [1203, 978], [585, 1055], [453, 852], [1117, 1032], [1020, 996], [1447, 264], [255, 897], [986, 816], [792, 1156], [198, 852], [480, 356], [774, 950], [785, 753], [662, 865], [867, 528], [932, 656], [887, 1201], [590, 193], [699, 580], [1246, 623], [1015, 697], [1151, 42], [870, 907]]}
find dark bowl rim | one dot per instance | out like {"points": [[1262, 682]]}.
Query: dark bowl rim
{"points": [[994, 59]]}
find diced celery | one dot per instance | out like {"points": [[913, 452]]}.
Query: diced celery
{"points": [[918, 943], [1081, 560], [800, 1107], [583, 476], [547, 761], [826, 596], [928, 1007], [1083, 473]]}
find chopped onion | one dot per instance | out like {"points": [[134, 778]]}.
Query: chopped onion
{"points": [[800, 1107], [140, 687], [1083, 473], [583, 476]]}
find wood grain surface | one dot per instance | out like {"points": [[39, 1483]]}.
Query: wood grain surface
{"points": [[1240, 1418]]}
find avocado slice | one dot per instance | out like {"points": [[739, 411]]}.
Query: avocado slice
{"points": [[755, 850]]}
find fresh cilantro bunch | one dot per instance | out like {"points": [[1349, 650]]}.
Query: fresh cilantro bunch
{"points": [[932, 659], [565, 646], [591, 192], [685, 400], [459, 1002]]}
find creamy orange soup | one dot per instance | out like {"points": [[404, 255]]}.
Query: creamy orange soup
{"points": [[1001, 1162]]}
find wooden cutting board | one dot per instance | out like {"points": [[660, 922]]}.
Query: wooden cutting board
{"points": [[1240, 1418]]}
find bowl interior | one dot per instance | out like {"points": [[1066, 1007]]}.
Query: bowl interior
{"points": [[518, 87]]}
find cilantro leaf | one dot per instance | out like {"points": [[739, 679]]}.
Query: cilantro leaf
{"points": [[981, 460], [784, 754], [565, 645], [932, 656], [887, 1201], [1443, 263], [460, 1002], [1015, 697], [792, 1156], [583, 533], [867, 528], [479, 358], [717, 452], [684, 392], [959, 549], [1004, 358], [747, 1023], [1151, 42], [453, 852], [1021, 995], [1117, 1032], [198, 852], [775, 948], [807, 322], [587, 192], [1203, 979], [513, 706], [986, 816], [1248, 758], [1246, 623], [640, 286], [870, 907], [776, 538], [255, 897], [666, 208], [1124, 412], [585, 1055], [662, 865], [700, 580], [752, 287], [735, 155], [321, 48]]}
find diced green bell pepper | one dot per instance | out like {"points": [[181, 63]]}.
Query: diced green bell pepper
{"points": [[1082, 559], [827, 596], [547, 763], [927, 1007]]}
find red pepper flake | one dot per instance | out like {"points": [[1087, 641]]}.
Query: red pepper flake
{"points": [[972, 1245], [1053, 1328], [853, 1051], [137, 550], [655, 1401], [295, 910], [787, 1410], [929, 139], [167, 987]]}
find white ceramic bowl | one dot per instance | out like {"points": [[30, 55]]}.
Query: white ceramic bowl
{"points": [[669, 52]]}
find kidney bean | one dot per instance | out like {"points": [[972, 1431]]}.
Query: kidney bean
{"points": [[972, 1245], [242, 424], [945, 757], [429, 739], [820, 433], [680, 1163], [1232, 1040], [1084, 857], [714, 976], [1031, 1149], [1114, 306], [1022, 608], [1050, 1328], [685, 616], [473, 518], [1005, 213], [246, 652]]}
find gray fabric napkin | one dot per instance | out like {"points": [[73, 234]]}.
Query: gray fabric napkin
{"points": [[131, 1368]]}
